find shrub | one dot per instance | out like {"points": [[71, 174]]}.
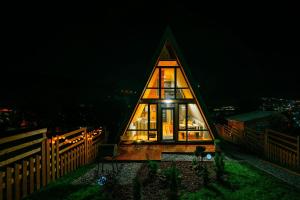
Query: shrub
{"points": [[152, 167], [137, 189], [199, 151], [172, 171], [205, 176], [217, 143], [174, 178], [219, 164]]}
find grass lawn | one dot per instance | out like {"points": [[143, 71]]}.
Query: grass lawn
{"points": [[244, 182], [63, 189]]}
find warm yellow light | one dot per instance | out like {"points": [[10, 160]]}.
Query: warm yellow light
{"points": [[167, 63], [168, 101]]}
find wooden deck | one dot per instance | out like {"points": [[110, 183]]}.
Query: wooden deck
{"points": [[153, 152]]}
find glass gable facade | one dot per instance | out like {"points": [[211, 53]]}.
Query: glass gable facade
{"points": [[168, 109]]}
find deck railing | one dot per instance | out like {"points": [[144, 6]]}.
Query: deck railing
{"points": [[274, 146], [29, 161]]}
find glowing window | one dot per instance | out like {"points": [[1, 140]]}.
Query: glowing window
{"points": [[184, 94], [181, 82], [167, 78], [151, 94], [168, 93], [153, 116], [167, 63], [154, 81], [140, 118], [195, 119]]}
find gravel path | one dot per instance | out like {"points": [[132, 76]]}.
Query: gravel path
{"points": [[183, 157], [126, 173]]}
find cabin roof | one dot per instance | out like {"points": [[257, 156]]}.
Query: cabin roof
{"points": [[168, 36], [251, 116]]}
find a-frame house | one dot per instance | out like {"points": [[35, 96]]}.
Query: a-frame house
{"points": [[169, 109]]}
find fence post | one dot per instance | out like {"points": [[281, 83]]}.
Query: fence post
{"points": [[266, 144], [44, 160], [52, 159], [17, 181], [9, 193], [31, 175], [57, 155], [24, 178], [85, 147], [1, 185], [48, 161], [298, 152]]}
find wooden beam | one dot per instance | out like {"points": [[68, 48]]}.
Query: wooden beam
{"points": [[21, 146], [73, 132], [70, 147], [22, 135], [18, 157]]}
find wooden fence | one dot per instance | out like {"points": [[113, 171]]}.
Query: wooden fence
{"points": [[274, 146], [29, 161]]}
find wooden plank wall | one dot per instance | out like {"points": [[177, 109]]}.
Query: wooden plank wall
{"points": [[36, 160], [274, 146]]}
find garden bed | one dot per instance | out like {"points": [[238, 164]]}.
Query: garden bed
{"points": [[242, 182]]}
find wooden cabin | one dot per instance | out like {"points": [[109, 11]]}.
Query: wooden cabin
{"points": [[170, 109], [257, 120]]}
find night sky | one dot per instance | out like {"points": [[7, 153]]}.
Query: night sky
{"points": [[55, 56]]}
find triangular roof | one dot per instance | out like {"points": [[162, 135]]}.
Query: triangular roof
{"points": [[169, 37]]}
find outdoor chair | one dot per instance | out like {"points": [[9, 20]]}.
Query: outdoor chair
{"points": [[107, 154]]}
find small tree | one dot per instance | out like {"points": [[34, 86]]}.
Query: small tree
{"points": [[205, 176], [220, 165], [174, 177], [199, 152], [217, 144], [137, 189], [152, 167], [197, 164]]}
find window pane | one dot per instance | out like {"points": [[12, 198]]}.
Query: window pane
{"points": [[151, 94], [153, 135], [135, 135], [153, 116], [180, 79], [167, 63], [140, 118], [167, 78], [182, 117], [195, 120], [194, 136], [183, 94], [198, 135], [168, 93], [182, 136], [154, 79]]}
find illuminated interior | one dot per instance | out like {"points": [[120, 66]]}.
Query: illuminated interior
{"points": [[162, 83], [167, 110], [167, 124]]}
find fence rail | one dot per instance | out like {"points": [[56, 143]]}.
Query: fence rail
{"points": [[29, 161], [277, 147]]}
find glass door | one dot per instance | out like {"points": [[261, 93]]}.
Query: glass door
{"points": [[167, 123]]}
